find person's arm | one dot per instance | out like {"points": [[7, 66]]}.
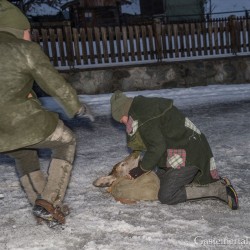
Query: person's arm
{"points": [[48, 78], [156, 147]]}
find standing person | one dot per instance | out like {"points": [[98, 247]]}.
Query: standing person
{"points": [[172, 143], [25, 125]]}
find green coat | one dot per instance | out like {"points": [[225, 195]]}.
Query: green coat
{"points": [[23, 121], [162, 127]]}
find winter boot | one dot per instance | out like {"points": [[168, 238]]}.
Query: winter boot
{"points": [[52, 216], [221, 189], [48, 205], [44, 216], [42, 213], [233, 201], [33, 184], [58, 180]]}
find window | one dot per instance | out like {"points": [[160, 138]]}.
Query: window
{"points": [[88, 15]]}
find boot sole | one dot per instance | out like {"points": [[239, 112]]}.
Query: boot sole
{"points": [[227, 182], [56, 213], [232, 198]]}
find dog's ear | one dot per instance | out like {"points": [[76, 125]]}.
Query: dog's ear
{"points": [[104, 181]]}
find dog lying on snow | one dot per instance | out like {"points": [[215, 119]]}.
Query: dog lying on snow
{"points": [[125, 189]]}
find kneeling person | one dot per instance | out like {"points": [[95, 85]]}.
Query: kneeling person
{"points": [[174, 147]]}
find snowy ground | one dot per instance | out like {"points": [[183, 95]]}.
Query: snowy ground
{"points": [[97, 222]]}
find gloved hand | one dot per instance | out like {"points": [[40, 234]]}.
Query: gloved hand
{"points": [[136, 172], [84, 112]]}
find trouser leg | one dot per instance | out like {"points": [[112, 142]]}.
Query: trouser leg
{"points": [[172, 184], [33, 184], [62, 143], [28, 168], [26, 161], [58, 180], [212, 190]]}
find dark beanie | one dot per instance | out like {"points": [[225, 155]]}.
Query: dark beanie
{"points": [[12, 18], [120, 105]]}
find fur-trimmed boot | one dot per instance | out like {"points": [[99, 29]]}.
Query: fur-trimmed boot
{"points": [[33, 185], [221, 189]]}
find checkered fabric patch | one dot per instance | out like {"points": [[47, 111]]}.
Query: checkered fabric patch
{"points": [[131, 126], [190, 125], [176, 158], [213, 171]]}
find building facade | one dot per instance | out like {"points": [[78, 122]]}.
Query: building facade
{"points": [[89, 13]]}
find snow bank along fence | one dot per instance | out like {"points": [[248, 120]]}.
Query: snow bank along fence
{"points": [[75, 47]]}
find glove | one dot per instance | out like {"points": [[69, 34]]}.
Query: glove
{"points": [[136, 172], [85, 112]]}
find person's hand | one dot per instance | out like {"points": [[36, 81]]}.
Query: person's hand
{"points": [[136, 172], [84, 112]]}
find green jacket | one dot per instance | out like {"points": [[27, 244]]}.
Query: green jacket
{"points": [[23, 121], [159, 128]]}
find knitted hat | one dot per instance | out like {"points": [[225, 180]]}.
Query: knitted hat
{"points": [[12, 19], [120, 105]]}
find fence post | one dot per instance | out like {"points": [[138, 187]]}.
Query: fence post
{"points": [[111, 35], [210, 37], [52, 37], [45, 42], [170, 42], [118, 43], [144, 42], [158, 43], [125, 42], [61, 46], [84, 45], [176, 46], [69, 46], [234, 34], [152, 52], [138, 46], [105, 44], [91, 45], [244, 34], [131, 42], [248, 31]]}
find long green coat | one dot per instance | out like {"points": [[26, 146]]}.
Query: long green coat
{"points": [[23, 121], [162, 131]]}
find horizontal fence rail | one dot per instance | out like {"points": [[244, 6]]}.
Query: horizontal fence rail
{"points": [[74, 47]]}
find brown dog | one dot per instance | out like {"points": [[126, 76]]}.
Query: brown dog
{"points": [[122, 168]]}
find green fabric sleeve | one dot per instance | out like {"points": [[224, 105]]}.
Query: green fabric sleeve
{"points": [[48, 78], [156, 146]]}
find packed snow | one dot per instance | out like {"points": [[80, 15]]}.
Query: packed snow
{"points": [[98, 222]]}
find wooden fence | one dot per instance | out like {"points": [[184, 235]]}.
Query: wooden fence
{"points": [[72, 47]]}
